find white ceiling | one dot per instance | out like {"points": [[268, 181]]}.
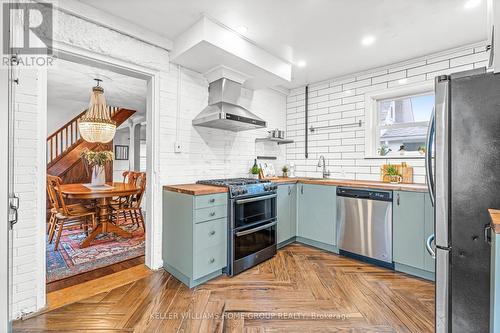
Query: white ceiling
{"points": [[324, 33], [70, 84]]}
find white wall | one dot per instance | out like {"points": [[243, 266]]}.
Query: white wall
{"points": [[342, 100], [212, 153], [122, 137], [29, 182]]}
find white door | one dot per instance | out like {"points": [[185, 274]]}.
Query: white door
{"points": [[9, 202]]}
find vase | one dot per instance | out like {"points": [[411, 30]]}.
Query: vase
{"points": [[285, 174], [98, 175]]}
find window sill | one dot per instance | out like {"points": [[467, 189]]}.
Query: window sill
{"points": [[395, 157]]}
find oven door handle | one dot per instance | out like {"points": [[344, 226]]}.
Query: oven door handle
{"points": [[251, 231], [244, 201]]}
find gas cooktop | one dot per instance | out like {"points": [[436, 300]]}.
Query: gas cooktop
{"points": [[242, 186]]}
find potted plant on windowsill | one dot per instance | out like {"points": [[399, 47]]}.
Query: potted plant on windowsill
{"points": [[392, 172], [96, 162], [285, 171]]}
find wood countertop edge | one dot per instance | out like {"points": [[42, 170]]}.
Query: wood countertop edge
{"points": [[495, 220], [198, 189]]}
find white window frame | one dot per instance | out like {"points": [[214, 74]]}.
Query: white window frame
{"points": [[371, 114]]}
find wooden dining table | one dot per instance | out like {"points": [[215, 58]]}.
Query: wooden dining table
{"points": [[103, 195]]}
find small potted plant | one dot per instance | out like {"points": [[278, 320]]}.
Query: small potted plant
{"points": [[255, 171], [392, 172], [422, 150], [384, 150], [96, 161], [285, 171]]}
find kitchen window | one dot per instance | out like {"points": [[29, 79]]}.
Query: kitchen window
{"points": [[398, 123]]}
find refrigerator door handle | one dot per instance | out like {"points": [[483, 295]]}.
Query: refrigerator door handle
{"points": [[487, 234], [428, 157], [428, 246]]}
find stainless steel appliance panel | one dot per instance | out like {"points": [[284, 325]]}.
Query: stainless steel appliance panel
{"points": [[442, 290], [364, 227]]}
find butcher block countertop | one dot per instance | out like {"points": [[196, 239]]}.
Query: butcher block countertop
{"points": [[495, 220], [198, 189]]}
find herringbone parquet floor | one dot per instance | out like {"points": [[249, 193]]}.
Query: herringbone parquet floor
{"points": [[300, 290]]}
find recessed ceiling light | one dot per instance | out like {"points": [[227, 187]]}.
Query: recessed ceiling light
{"points": [[368, 40], [301, 63], [469, 4], [242, 29]]}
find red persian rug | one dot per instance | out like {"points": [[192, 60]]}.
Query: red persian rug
{"points": [[105, 250]]}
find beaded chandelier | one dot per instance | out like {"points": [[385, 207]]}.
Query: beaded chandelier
{"points": [[96, 124]]}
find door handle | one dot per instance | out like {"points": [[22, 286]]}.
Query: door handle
{"points": [[397, 199], [289, 190], [14, 207], [301, 189], [487, 233], [428, 246], [428, 157]]}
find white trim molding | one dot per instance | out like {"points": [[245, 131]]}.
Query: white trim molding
{"points": [[371, 102]]}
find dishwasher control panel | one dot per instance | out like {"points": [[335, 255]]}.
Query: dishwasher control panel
{"points": [[364, 193]]}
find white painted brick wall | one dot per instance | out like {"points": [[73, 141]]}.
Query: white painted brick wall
{"points": [[212, 153], [29, 232], [341, 101]]}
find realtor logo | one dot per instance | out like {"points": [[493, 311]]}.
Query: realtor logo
{"points": [[27, 28]]}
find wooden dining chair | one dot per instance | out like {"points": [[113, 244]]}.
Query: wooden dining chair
{"points": [[129, 177], [65, 216], [132, 206]]}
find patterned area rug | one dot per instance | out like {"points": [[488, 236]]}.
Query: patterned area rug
{"points": [[105, 250]]}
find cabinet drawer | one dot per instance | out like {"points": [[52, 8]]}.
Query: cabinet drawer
{"points": [[210, 233], [210, 213], [210, 200], [209, 260]]}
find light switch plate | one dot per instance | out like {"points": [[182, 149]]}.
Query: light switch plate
{"points": [[177, 147]]}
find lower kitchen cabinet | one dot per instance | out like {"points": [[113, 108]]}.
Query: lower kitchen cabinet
{"points": [[317, 208], [495, 283], [194, 244], [287, 213], [413, 222]]}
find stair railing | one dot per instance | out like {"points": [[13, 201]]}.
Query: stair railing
{"points": [[65, 138]]}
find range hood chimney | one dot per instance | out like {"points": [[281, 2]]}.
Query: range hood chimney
{"points": [[224, 111]]}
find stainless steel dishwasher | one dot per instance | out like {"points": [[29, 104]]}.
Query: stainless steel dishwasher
{"points": [[364, 224]]}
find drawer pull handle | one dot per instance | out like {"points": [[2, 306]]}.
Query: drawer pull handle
{"points": [[212, 260], [212, 214], [212, 200], [211, 233]]}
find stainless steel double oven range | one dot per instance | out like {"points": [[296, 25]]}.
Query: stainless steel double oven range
{"points": [[252, 219]]}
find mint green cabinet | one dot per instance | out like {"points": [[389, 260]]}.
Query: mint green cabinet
{"points": [[287, 213], [194, 246], [495, 284], [429, 262], [413, 222], [317, 208]]}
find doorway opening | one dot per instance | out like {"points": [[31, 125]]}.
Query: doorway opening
{"points": [[82, 241]]}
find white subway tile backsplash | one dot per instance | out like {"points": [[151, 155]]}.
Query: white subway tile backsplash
{"points": [[344, 147]]}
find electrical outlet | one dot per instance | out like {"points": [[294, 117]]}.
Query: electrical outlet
{"points": [[177, 147]]}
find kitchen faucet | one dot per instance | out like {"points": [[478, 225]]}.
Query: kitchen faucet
{"points": [[326, 173]]}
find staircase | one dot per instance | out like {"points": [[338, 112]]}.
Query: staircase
{"points": [[65, 146]]}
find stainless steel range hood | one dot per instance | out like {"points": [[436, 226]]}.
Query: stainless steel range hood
{"points": [[224, 110]]}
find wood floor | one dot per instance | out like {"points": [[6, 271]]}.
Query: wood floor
{"points": [[93, 275], [300, 290]]}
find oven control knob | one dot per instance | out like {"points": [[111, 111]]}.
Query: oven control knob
{"points": [[243, 191], [267, 187]]}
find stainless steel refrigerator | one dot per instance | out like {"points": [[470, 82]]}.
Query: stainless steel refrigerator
{"points": [[463, 163]]}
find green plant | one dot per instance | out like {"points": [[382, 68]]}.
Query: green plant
{"points": [[383, 150], [391, 170], [284, 168], [422, 150], [96, 158], [255, 170]]}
